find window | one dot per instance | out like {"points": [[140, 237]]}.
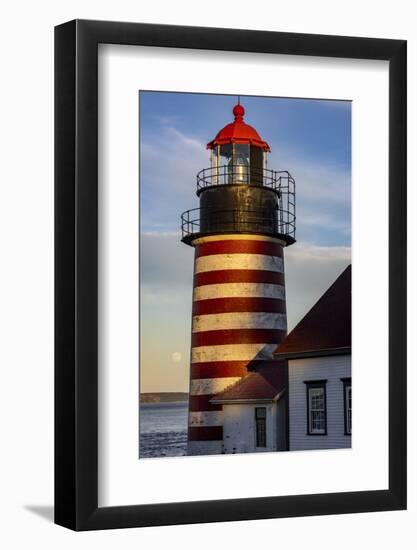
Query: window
{"points": [[316, 408], [260, 421], [347, 404]]}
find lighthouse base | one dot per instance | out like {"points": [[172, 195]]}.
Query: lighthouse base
{"points": [[196, 448]]}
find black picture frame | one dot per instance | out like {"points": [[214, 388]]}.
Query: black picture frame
{"points": [[76, 271]]}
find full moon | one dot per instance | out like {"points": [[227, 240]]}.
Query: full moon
{"points": [[176, 357]]}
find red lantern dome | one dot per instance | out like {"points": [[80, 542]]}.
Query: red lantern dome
{"points": [[239, 132]]}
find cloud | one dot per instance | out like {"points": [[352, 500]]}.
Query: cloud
{"points": [[166, 268], [169, 161], [309, 271], [323, 197], [183, 141], [165, 120]]}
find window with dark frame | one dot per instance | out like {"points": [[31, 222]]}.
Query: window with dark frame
{"points": [[316, 407], [347, 404], [260, 421]]}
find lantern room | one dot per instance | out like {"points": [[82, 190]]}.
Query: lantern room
{"points": [[238, 193], [238, 154]]}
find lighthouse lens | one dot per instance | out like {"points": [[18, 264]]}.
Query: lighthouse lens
{"points": [[238, 169]]}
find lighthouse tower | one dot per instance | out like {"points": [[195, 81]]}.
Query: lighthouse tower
{"points": [[245, 219]]}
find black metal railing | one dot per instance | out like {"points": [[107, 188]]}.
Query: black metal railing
{"points": [[198, 221], [276, 222], [238, 174]]}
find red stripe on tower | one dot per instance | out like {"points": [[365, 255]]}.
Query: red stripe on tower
{"points": [[202, 403], [215, 369], [205, 433], [238, 304], [239, 247], [236, 336], [238, 276]]}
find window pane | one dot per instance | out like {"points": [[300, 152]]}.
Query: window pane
{"points": [[317, 410], [348, 408], [260, 425]]}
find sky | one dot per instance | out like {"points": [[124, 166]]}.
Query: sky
{"points": [[309, 138]]}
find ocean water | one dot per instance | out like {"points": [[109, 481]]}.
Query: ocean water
{"points": [[162, 429]]}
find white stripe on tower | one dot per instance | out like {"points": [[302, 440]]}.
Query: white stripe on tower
{"points": [[208, 418], [209, 386], [239, 317], [238, 261], [232, 352], [239, 320], [243, 290]]}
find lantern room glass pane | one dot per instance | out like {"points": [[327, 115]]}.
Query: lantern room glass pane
{"points": [[214, 161], [238, 165], [257, 160], [242, 150], [226, 152]]}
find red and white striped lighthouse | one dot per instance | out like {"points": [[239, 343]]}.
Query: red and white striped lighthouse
{"points": [[246, 218]]}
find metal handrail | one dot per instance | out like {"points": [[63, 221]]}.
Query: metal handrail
{"points": [[280, 223], [229, 175]]}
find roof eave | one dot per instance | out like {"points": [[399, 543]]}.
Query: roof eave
{"points": [[260, 144], [346, 350], [247, 400], [241, 401]]}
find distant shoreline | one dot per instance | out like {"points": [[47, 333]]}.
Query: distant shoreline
{"points": [[163, 397]]}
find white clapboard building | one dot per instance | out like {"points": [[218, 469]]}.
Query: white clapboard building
{"points": [[302, 399], [255, 411], [318, 351]]}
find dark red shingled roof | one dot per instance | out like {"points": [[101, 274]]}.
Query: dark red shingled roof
{"points": [[327, 326], [265, 383]]}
